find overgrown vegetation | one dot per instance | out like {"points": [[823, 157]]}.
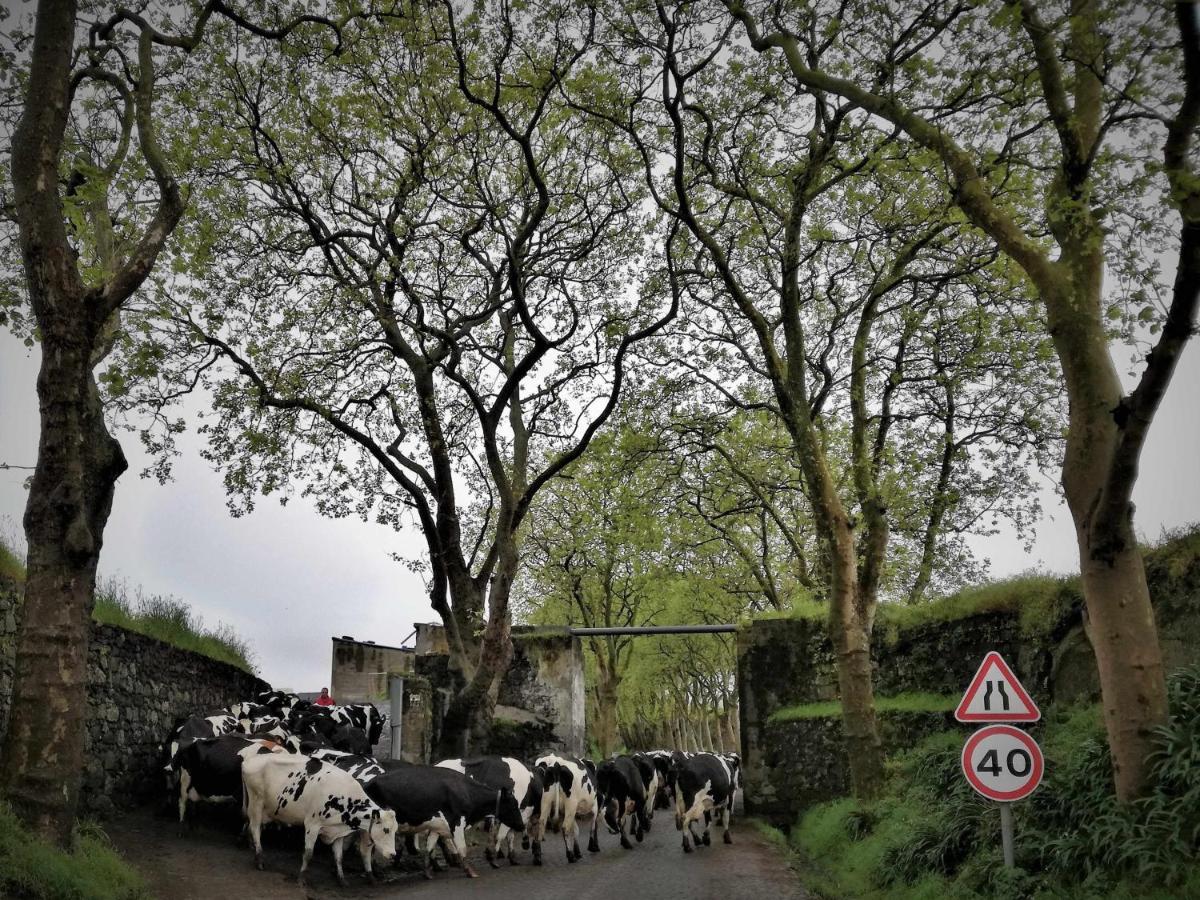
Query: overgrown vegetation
{"points": [[163, 617], [171, 620], [932, 836], [33, 870], [900, 703], [1042, 600]]}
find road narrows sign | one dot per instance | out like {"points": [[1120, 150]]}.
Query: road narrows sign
{"points": [[1002, 763], [996, 695]]}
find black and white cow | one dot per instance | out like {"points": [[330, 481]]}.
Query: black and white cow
{"points": [[506, 772], [350, 739], [441, 804], [363, 768], [211, 768], [327, 802], [664, 796], [280, 703], [361, 715], [623, 794], [703, 789], [194, 728], [571, 790], [654, 775]]}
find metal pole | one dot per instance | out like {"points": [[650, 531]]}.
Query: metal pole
{"points": [[1006, 833], [396, 695], [656, 629]]}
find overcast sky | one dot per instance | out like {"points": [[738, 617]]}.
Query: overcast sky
{"points": [[288, 579]]}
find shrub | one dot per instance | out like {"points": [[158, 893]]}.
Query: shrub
{"points": [[33, 870], [930, 835]]}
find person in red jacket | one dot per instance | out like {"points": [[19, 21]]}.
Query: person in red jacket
{"points": [[324, 699]]}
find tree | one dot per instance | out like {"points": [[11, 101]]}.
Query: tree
{"points": [[1094, 108], [85, 106], [413, 295], [595, 556], [818, 256]]}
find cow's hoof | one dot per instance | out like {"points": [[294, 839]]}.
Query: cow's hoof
{"points": [[593, 846], [537, 860], [625, 843], [258, 863], [493, 864], [471, 873], [728, 839], [428, 875], [512, 860], [342, 881], [639, 835], [707, 839], [687, 848]]}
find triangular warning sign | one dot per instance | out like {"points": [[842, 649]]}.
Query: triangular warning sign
{"points": [[995, 695]]}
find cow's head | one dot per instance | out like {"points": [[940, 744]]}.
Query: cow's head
{"points": [[382, 834]]}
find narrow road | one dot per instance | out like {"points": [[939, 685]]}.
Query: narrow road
{"points": [[207, 864]]}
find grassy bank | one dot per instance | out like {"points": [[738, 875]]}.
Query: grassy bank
{"points": [[159, 616], [32, 870], [908, 702], [930, 836]]}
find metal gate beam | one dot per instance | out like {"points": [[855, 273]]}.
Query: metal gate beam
{"points": [[655, 629]]}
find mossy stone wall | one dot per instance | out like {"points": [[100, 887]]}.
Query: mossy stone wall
{"points": [[790, 662]]}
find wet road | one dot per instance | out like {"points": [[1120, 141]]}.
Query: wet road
{"points": [[208, 865]]}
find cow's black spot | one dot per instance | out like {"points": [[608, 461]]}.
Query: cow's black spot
{"points": [[300, 785], [313, 767]]}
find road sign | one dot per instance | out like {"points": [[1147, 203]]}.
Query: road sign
{"points": [[1003, 763], [996, 695]]}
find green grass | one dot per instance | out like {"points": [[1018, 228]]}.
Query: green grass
{"points": [[901, 703], [32, 870], [170, 620], [164, 618]]}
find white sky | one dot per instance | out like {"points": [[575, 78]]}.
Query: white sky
{"points": [[288, 579]]}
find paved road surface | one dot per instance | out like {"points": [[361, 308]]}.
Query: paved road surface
{"points": [[207, 865]]}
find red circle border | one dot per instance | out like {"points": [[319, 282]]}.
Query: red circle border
{"points": [[1035, 752]]}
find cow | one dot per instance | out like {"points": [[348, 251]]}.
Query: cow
{"points": [[703, 787], [360, 715], [280, 703], [211, 768], [652, 780], [184, 731], [664, 796], [571, 786], [505, 772], [620, 784], [441, 804], [363, 768], [327, 802], [351, 739]]}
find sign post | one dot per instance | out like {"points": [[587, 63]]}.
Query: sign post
{"points": [[1001, 762]]}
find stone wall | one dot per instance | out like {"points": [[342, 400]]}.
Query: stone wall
{"points": [[137, 687], [790, 662]]}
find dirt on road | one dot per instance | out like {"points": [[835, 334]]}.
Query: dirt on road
{"points": [[207, 863]]}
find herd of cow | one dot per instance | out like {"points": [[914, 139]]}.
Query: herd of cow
{"points": [[295, 763]]}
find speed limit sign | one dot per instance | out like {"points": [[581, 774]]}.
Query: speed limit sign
{"points": [[1002, 763]]}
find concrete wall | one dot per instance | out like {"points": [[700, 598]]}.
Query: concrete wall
{"points": [[137, 687], [361, 669], [787, 662], [540, 705]]}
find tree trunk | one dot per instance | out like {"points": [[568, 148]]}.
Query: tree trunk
{"points": [[606, 712], [850, 631], [69, 502]]}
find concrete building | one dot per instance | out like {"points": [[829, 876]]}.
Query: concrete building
{"points": [[361, 669]]}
